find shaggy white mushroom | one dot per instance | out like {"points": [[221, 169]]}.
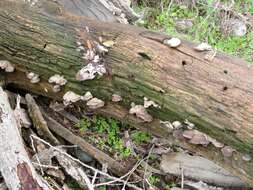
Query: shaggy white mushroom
{"points": [[203, 47], [141, 113], [70, 97], [95, 103], [57, 79], [172, 42], [87, 96], [89, 72]]}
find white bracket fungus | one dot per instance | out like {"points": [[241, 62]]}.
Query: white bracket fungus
{"points": [[197, 137], [203, 47], [57, 79], [167, 124], [148, 103], [34, 78], [116, 98], [95, 103], [189, 124], [56, 88], [7, 66], [141, 113], [89, 72], [177, 124], [172, 42], [70, 97]]}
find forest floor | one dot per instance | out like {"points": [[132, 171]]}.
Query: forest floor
{"points": [[226, 25]]}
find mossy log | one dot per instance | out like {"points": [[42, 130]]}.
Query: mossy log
{"points": [[216, 95]]}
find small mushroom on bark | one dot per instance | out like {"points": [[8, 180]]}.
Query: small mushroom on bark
{"points": [[34, 78], [177, 124], [172, 42], [70, 97], [246, 157], [167, 124], [141, 113], [95, 103], [189, 124], [199, 138], [7, 66], [148, 103], [216, 143], [203, 47], [227, 151], [56, 88], [57, 79], [116, 98]]}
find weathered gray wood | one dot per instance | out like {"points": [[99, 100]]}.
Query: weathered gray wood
{"points": [[198, 168], [15, 165]]}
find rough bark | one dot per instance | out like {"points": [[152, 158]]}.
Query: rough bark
{"points": [[15, 165], [216, 95]]}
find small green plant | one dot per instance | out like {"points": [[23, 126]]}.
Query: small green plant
{"points": [[108, 137], [83, 124], [141, 137], [153, 180]]}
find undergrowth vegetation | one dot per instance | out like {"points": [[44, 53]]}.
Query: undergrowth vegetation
{"points": [[108, 134], [202, 21]]}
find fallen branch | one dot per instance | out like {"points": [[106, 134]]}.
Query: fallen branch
{"points": [[38, 120], [15, 165]]}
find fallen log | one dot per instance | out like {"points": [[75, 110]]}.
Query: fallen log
{"points": [[15, 165], [216, 95]]}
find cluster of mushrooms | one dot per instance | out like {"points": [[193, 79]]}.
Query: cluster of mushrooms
{"points": [[196, 137]]}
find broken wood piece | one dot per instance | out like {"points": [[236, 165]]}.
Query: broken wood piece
{"points": [[75, 170], [198, 168], [15, 165], [38, 120]]}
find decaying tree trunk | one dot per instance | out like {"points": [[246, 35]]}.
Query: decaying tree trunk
{"points": [[15, 165], [216, 95]]}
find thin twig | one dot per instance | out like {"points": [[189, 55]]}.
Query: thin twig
{"points": [[115, 179], [94, 178], [37, 157], [46, 166], [146, 165]]}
